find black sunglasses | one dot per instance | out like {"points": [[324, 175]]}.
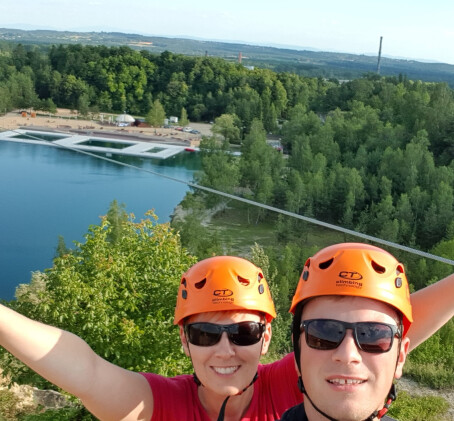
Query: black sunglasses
{"points": [[209, 334], [326, 334]]}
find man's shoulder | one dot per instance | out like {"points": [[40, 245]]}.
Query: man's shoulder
{"points": [[296, 413]]}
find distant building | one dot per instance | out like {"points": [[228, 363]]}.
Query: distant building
{"points": [[173, 119], [275, 144]]}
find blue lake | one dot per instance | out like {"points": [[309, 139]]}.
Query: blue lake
{"points": [[46, 192]]}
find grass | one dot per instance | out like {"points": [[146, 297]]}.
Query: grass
{"points": [[415, 408], [435, 375], [236, 227]]}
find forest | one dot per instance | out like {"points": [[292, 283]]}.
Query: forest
{"points": [[374, 154]]}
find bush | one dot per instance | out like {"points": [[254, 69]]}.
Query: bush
{"points": [[8, 405], [118, 293]]}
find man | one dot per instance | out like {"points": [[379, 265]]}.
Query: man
{"points": [[352, 313]]}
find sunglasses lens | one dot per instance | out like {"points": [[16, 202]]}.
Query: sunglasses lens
{"points": [[324, 334], [209, 334], [374, 337], [246, 333], [203, 334]]}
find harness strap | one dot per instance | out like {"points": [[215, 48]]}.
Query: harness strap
{"points": [[222, 411]]}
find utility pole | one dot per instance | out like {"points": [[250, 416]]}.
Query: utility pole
{"points": [[379, 57]]}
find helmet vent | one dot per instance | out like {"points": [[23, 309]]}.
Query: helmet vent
{"points": [[378, 268], [201, 284], [183, 282], [243, 281], [399, 269], [326, 264], [259, 277]]}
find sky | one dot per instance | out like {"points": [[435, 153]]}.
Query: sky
{"points": [[414, 29]]}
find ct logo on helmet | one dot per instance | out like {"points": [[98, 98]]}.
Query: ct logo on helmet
{"points": [[223, 296], [352, 276], [349, 279], [222, 292]]}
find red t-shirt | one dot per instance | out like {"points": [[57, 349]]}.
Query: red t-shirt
{"points": [[275, 390]]}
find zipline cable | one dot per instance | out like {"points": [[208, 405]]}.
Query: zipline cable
{"points": [[253, 203]]}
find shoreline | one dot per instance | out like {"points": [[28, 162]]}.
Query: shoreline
{"points": [[65, 122]]}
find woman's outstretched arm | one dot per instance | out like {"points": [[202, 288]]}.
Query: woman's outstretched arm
{"points": [[108, 391], [433, 306]]}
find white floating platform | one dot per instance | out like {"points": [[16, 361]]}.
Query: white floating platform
{"points": [[93, 143]]}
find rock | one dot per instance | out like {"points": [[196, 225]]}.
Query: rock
{"points": [[49, 398]]}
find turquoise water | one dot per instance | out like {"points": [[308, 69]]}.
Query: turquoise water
{"points": [[46, 192]]}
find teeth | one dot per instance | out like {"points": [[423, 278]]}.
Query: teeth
{"points": [[346, 381], [225, 370]]}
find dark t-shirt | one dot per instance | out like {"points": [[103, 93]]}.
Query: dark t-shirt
{"points": [[297, 413]]}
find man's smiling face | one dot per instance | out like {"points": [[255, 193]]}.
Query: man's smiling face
{"points": [[346, 383]]}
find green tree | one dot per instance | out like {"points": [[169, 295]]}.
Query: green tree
{"points": [[5, 99], [184, 121], [61, 249], [220, 167], [260, 167], [71, 90], [156, 115], [226, 126], [117, 218], [176, 93], [48, 105], [22, 91], [118, 296], [404, 214], [83, 104]]}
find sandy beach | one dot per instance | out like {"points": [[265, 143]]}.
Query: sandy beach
{"points": [[65, 121]]}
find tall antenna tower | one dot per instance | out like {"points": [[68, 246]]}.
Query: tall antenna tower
{"points": [[379, 57]]}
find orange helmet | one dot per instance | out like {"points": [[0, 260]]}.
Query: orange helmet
{"points": [[359, 270], [223, 283]]}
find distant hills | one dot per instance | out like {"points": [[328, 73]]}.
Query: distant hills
{"points": [[341, 66]]}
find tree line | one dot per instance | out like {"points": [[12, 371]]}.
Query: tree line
{"points": [[116, 79]]}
